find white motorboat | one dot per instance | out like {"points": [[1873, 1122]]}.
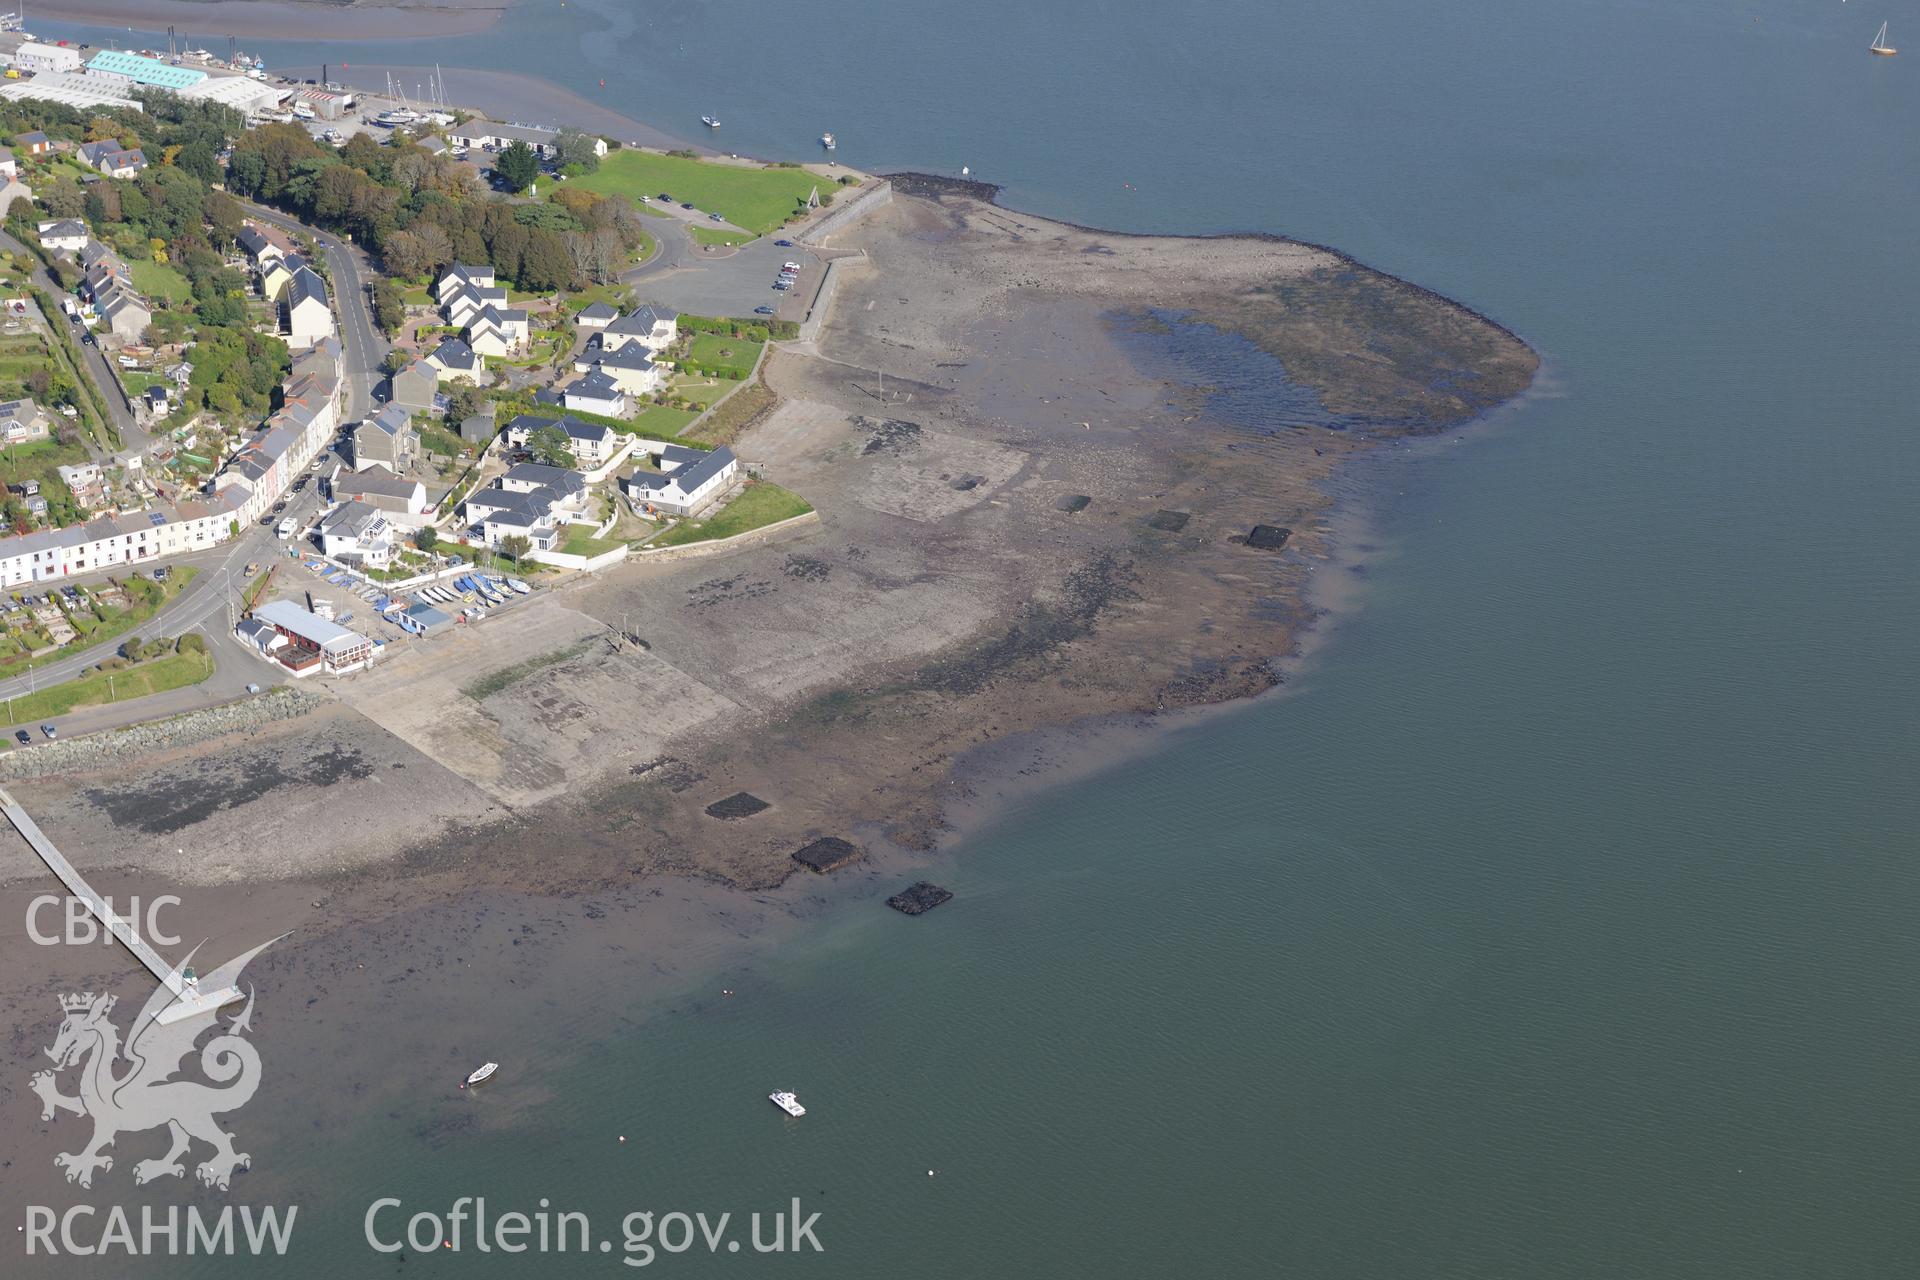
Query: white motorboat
{"points": [[519, 588], [712, 122], [787, 1102], [484, 1074], [826, 140]]}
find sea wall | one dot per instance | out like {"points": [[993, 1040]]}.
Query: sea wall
{"points": [[99, 750], [859, 207]]}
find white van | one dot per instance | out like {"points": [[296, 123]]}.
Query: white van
{"points": [[286, 527]]}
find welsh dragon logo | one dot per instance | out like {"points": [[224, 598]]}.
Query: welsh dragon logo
{"points": [[149, 1096]]}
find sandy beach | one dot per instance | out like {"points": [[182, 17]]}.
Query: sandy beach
{"points": [[1033, 537], [292, 19]]}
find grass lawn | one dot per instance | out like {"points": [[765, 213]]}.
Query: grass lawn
{"points": [[757, 199], [175, 671], [761, 504], [136, 381], [719, 236], [439, 440], [147, 598], [581, 542], [36, 460], [157, 280], [717, 351], [659, 422]]}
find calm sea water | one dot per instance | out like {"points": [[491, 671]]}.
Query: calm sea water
{"points": [[1560, 923]]}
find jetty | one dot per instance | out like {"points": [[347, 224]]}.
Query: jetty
{"points": [[188, 998]]}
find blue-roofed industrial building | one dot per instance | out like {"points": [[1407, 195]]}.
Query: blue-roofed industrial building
{"points": [[133, 68]]}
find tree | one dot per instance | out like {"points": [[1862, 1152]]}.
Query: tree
{"points": [[465, 402], [389, 307], [427, 539], [518, 166], [64, 198], [246, 173], [575, 148], [405, 255], [550, 445], [515, 546]]}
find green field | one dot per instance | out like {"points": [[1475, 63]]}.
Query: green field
{"points": [[759, 505], [757, 199], [719, 236], [158, 281], [727, 355], [176, 671]]}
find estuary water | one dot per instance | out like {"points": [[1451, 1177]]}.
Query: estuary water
{"points": [[1560, 920]]}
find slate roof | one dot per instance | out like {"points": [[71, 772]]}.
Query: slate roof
{"points": [[306, 286], [595, 386]]}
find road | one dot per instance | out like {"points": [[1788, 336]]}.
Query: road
{"points": [[362, 346], [105, 380], [204, 603]]}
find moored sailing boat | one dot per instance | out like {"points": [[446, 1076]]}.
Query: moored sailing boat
{"points": [[1880, 45]]}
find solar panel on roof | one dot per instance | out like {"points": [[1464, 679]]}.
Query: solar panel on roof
{"points": [[156, 517]]}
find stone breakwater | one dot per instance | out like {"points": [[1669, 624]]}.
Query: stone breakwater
{"points": [[101, 750]]}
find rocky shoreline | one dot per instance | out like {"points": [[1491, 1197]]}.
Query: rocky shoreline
{"points": [[944, 605]]}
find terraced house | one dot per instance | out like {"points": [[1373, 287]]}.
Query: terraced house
{"points": [[108, 285], [309, 317], [110, 541]]}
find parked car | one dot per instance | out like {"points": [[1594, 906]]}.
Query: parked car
{"points": [[686, 204], [783, 244], [24, 737], [716, 217], [664, 196], [253, 688], [50, 731], [763, 311]]}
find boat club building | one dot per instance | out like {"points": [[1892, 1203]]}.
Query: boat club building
{"points": [[304, 643]]}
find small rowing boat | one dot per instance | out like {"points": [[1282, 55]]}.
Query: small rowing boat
{"points": [[484, 1074]]}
